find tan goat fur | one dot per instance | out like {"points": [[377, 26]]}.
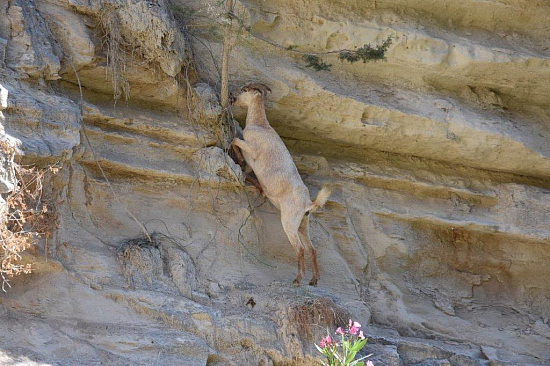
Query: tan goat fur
{"points": [[264, 151]]}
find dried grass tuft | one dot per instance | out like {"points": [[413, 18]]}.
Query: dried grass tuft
{"points": [[321, 313]]}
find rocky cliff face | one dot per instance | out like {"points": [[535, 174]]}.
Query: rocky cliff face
{"points": [[436, 238]]}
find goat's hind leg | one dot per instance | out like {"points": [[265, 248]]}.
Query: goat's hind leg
{"points": [[303, 231], [291, 224]]}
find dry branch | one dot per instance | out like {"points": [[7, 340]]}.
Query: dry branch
{"points": [[225, 57], [25, 216]]}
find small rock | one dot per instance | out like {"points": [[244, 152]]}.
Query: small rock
{"points": [[215, 162], [213, 289], [461, 360], [415, 352], [202, 316], [489, 352], [3, 46], [3, 97], [208, 99], [541, 328]]}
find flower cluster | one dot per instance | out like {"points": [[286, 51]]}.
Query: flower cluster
{"points": [[326, 342], [353, 329], [343, 353]]}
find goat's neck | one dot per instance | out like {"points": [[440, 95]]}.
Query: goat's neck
{"points": [[256, 114]]}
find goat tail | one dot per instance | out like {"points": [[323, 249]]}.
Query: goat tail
{"points": [[321, 199]]}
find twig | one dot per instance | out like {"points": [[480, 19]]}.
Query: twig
{"points": [[224, 92], [115, 196]]}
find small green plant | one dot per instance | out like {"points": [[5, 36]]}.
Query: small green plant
{"points": [[343, 353], [366, 53], [316, 63]]}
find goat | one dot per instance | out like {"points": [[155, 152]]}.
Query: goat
{"points": [[264, 151]]}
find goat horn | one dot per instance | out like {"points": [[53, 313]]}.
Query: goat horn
{"points": [[262, 88]]}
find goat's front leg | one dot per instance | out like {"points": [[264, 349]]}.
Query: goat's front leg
{"points": [[244, 146], [237, 145], [239, 155]]}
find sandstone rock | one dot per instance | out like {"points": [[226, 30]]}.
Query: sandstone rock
{"points": [[29, 50], [461, 360], [123, 33], [182, 271], [71, 32], [215, 162], [412, 353], [435, 238], [46, 125], [208, 100]]}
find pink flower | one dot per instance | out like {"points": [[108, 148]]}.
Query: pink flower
{"points": [[369, 363], [339, 331], [361, 336], [325, 342], [353, 327]]}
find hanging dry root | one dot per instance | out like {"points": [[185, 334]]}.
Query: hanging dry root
{"points": [[116, 50]]}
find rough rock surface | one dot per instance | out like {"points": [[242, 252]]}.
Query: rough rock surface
{"points": [[436, 238]]}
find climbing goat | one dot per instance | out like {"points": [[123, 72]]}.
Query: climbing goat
{"points": [[264, 151]]}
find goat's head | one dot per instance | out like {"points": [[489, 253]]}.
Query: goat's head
{"points": [[244, 96]]}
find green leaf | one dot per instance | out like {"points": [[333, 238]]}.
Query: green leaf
{"points": [[359, 344], [350, 356], [362, 358], [324, 351]]}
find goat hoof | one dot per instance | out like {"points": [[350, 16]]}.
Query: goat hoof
{"points": [[295, 283], [313, 282]]}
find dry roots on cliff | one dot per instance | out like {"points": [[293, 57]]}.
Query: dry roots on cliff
{"points": [[321, 313]]}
